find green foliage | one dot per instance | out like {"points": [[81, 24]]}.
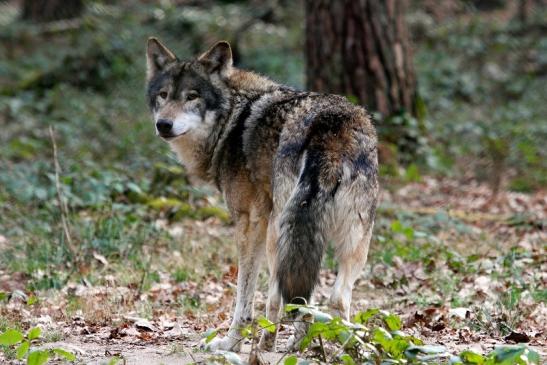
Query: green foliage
{"points": [[370, 341], [210, 335], [266, 324], [484, 105], [12, 338], [291, 360]]}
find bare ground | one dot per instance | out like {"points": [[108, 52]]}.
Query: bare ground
{"points": [[458, 308]]}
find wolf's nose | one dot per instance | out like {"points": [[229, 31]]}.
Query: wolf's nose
{"points": [[164, 126]]}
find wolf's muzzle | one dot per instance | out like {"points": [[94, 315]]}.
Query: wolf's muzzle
{"points": [[164, 127]]}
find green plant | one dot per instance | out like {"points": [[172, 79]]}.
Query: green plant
{"points": [[21, 343], [372, 337]]}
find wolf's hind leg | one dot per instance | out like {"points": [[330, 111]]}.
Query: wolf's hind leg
{"points": [[352, 256], [267, 341], [250, 234]]}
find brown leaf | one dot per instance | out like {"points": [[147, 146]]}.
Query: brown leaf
{"points": [[517, 337], [145, 325]]}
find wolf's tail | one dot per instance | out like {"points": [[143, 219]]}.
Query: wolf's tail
{"points": [[301, 238]]}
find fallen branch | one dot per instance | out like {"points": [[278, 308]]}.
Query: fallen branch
{"points": [[60, 199]]}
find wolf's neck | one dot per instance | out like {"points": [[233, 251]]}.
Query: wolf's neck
{"points": [[247, 81]]}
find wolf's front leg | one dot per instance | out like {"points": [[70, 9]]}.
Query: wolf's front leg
{"points": [[250, 235]]}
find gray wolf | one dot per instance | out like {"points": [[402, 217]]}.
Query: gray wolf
{"points": [[298, 171]]}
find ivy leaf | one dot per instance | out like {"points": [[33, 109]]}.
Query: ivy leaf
{"points": [[508, 355], [32, 300], [114, 360], [266, 324], [319, 316], [381, 336], [363, 317], [292, 307], [347, 360], [393, 322], [470, 357], [210, 334], [246, 331], [291, 360], [64, 354], [22, 350], [413, 351], [10, 337], [38, 358], [34, 333]]}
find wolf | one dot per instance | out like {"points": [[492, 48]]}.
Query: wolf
{"points": [[298, 171]]}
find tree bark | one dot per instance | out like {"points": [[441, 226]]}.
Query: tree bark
{"points": [[49, 10], [360, 48]]}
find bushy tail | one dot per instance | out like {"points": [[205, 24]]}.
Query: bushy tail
{"points": [[301, 238]]}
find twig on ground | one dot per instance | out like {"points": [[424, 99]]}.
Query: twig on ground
{"points": [[323, 352], [61, 201]]}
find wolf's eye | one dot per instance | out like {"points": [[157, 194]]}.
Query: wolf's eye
{"points": [[163, 94], [192, 95]]}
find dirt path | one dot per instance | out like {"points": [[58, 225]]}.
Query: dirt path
{"points": [[179, 352]]}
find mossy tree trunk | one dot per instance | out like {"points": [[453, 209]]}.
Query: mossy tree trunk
{"points": [[360, 48]]}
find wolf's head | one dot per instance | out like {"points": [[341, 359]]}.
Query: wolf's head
{"points": [[187, 97]]}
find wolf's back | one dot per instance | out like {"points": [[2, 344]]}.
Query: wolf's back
{"points": [[331, 153]]}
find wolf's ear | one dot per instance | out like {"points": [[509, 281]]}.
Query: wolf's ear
{"points": [[218, 58], [157, 57]]}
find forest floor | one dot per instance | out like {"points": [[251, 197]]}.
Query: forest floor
{"points": [[469, 274]]}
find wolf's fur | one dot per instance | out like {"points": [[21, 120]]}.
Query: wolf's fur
{"points": [[298, 171]]}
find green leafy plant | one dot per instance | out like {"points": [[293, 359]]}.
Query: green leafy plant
{"points": [[21, 343], [373, 336]]}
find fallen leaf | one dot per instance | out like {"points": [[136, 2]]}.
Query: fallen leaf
{"points": [[517, 337]]}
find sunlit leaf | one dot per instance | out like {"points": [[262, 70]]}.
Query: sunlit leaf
{"points": [[32, 300], [64, 354], [363, 317], [470, 357], [38, 357], [291, 360], [10, 337], [292, 307], [347, 360], [393, 322], [246, 331], [210, 335], [113, 361], [381, 336], [266, 324], [22, 350], [34, 333]]}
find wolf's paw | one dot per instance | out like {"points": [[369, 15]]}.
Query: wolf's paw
{"points": [[267, 341], [225, 343]]}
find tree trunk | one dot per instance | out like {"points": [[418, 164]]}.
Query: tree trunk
{"points": [[50, 10], [360, 48]]}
